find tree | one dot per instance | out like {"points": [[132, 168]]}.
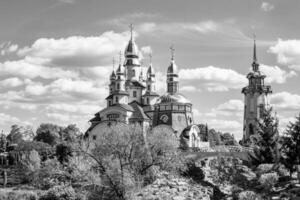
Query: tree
{"points": [[266, 145], [19, 134], [71, 133], [228, 139], [63, 152], [290, 149], [3, 142], [125, 156], [48, 133]]}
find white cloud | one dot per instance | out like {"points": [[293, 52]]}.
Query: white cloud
{"points": [[214, 78], [285, 101], [5, 118], [189, 88], [266, 6], [75, 50], [11, 82], [21, 68], [275, 74], [288, 53], [8, 48]]}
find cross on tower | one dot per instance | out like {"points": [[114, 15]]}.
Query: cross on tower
{"points": [[114, 61], [150, 57], [131, 30], [172, 51], [120, 57]]}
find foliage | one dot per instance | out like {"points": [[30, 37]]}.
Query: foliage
{"points": [[44, 149], [125, 158], [31, 164], [10, 194], [63, 152], [214, 137], [60, 192], [19, 134], [248, 195], [71, 133], [265, 168], [266, 149], [191, 170], [268, 180], [228, 139], [290, 148], [48, 133], [3, 142], [50, 174]]}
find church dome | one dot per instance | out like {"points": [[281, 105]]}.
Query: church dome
{"points": [[173, 98], [172, 69], [132, 49]]}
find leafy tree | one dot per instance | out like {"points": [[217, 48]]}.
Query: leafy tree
{"points": [[19, 134], [290, 148], [228, 139], [3, 142], [214, 137], [63, 152], [71, 133], [48, 133], [124, 157], [266, 145]]}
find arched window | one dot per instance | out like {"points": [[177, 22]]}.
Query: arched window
{"points": [[118, 86], [148, 102], [117, 99], [134, 94], [133, 72]]}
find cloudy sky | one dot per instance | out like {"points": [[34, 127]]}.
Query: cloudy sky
{"points": [[55, 55]]}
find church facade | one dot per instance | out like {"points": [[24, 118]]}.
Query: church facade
{"points": [[255, 99], [133, 100]]}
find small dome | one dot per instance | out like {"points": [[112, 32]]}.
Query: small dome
{"points": [[132, 49], [113, 75], [173, 98], [172, 69], [150, 70], [121, 69]]}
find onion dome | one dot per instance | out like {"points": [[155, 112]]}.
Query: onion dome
{"points": [[172, 69], [132, 49], [173, 98], [121, 69], [113, 75], [150, 71]]}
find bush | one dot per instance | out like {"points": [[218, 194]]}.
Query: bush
{"points": [[248, 195], [60, 193], [264, 168], [191, 170], [268, 180], [63, 152]]}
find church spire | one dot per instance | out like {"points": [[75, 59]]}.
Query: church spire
{"points": [[255, 64]]}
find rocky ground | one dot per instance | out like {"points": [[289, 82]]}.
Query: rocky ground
{"points": [[169, 187]]}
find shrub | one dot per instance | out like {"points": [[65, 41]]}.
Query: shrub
{"points": [[248, 195], [60, 192], [264, 168], [63, 152], [268, 180], [191, 170]]}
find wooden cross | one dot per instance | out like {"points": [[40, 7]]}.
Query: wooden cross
{"points": [[172, 51], [131, 30]]}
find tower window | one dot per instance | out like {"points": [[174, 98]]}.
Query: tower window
{"points": [[118, 86], [133, 72], [149, 87], [117, 99], [148, 102], [134, 93]]}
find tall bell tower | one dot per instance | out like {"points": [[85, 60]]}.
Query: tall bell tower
{"points": [[255, 99]]}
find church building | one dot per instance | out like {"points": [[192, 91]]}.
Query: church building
{"points": [[256, 99], [133, 99]]}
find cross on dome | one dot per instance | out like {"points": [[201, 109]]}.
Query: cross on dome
{"points": [[172, 52]]}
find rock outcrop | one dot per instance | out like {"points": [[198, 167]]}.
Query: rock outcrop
{"points": [[169, 187]]}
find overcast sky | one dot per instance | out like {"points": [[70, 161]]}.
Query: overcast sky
{"points": [[56, 55]]}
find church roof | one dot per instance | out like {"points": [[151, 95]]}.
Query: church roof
{"points": [[173, 98], [138, 112], [148, 93], [136, 84], [172, 69]]}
